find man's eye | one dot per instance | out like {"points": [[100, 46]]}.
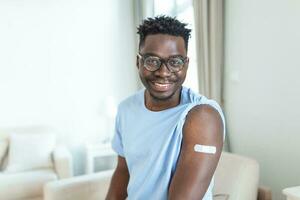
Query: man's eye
{"points": [[152, 61], [175, 62]]}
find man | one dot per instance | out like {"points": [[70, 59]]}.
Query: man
{"points": [[168, 138]]}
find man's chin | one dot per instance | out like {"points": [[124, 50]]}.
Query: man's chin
{"points": [[162, 93], [162, 96]]}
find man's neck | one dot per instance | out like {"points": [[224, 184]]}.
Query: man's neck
{"points": [[155, 104]]}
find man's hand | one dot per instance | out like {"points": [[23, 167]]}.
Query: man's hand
{"points": [[118, 185], [194, 170]]}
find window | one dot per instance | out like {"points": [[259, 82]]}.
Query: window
{"points": [[183, 10]]}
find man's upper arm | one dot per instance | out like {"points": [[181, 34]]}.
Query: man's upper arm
{"points": [[119, 182], [194, 170]]}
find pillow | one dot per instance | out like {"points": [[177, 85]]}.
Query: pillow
{"points": [[29, 151], [3, 149]]}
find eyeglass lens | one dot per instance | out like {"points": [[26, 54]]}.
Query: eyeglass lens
{"points": [[154, 63]]}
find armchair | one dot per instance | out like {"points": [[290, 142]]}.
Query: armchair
{"points": [[26, 183]]}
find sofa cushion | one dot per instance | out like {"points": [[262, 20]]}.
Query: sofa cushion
{"points": [[29, 151], [35, 198], [25, 184], [236, 176], [221, 197], [91, 186], [3, 149]]}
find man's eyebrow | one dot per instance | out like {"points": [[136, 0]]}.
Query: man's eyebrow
{"points": [[171, 56]]}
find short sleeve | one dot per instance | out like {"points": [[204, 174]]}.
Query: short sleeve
{"points": [[117, 143]]}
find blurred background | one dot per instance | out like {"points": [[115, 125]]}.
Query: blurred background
{"points": [[67, 64]]}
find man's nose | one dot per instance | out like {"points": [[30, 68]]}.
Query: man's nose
{"points": [[163, 70]]}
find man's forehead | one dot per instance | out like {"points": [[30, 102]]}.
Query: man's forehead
{"points": [[164, 44]]}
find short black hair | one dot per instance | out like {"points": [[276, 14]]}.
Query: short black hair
{"points": [[163, 25]]}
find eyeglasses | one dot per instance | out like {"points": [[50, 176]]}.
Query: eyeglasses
{"points": [[153, 63]]}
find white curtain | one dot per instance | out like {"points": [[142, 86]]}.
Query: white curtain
{"points": [[142, 10], [209, 47]]}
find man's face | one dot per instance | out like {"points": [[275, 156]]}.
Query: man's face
{"points": [[162, 84]]}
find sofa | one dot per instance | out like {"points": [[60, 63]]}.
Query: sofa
{"points": [[236, 178], [29, 158]]}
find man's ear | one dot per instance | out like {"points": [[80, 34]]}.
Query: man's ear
{"points": [[187, 62], [137, 62]]}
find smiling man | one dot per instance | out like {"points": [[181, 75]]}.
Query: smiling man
{"points": [[168, 138]]}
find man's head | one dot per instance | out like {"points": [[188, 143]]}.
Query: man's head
{"points": [[163, 25], [162, 60]]}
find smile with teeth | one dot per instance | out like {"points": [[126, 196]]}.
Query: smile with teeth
{"points": [[161, 86]]}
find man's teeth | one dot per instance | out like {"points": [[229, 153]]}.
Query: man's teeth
{"points": [[162, 84]]}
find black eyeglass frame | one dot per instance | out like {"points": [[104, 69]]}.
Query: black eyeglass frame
{"points": [[163, 61]]}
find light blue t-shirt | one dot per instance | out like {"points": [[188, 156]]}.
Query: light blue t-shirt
{"points": [[150, 141]]}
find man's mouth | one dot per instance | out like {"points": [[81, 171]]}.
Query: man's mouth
{"points": [[162, 87]]}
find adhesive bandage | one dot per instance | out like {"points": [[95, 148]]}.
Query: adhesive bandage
{"points": [[205, 149]]}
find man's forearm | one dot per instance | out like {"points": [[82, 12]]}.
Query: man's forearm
{"points": [[179, 191]]}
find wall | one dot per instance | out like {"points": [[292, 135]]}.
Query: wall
{"points": [[262, 95], [62, 63]]}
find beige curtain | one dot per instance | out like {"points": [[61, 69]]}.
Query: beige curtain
{"points": [[209, 50], [209, 47]]}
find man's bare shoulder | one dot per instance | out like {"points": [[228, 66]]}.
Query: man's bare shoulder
{"points": [[203, 120]]}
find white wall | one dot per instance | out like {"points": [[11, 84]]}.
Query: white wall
{"points": [[262, 87], [60, 60]]}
